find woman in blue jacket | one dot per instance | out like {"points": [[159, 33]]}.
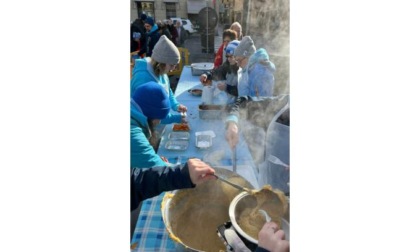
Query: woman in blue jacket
{"points": [[164, 59]]}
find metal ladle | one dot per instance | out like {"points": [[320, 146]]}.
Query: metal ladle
{"points": [[232, 184]]}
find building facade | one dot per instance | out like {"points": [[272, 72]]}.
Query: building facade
{"points": [[266, 21], [165, 9]]}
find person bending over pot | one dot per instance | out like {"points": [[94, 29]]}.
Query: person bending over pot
{"points": [[148, 106], [165, 58]]}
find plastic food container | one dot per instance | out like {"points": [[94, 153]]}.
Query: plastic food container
{"points": [[179, 135], [203, 141], [178, 145]]}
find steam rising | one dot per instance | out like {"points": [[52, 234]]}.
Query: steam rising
{"points": [[269, 28]]}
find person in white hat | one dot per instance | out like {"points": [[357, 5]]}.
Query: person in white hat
{"points": [[256, 73], [165, 57]]}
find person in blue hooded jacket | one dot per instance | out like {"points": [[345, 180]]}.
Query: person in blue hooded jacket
{"points": [[152, 37], [149, 105], [256, 73], [164, 59]]}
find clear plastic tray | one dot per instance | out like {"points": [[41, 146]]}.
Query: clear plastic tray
{"points": [[176, 145], [203, 141], [179, 135]]}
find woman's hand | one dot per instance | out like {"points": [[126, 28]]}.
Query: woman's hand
{"points": [[203, 79], [272, 238], [232, 134], [182, 108], [199, 171]]}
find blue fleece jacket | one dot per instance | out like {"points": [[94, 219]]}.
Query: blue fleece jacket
{"points": [[260, 76], [142, 153], [143, 73]]}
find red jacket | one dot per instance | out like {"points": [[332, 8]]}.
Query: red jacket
{"points": [[219, 57]]}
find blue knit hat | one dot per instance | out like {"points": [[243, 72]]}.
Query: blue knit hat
{"points": [[153, 100], [230, 48], [149, 20]]}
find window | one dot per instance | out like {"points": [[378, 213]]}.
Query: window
{"points": [[170, 10], [147, 8]]}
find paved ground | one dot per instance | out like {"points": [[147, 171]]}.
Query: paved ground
{"points": [[193, 44]]}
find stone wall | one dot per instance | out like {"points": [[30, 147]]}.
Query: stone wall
{"points": [[160, 10]]}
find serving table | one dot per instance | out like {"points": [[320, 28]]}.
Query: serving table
{"points": [[150, 233]]}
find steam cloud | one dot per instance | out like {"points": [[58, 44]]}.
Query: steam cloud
{"points": [[268, 26]]}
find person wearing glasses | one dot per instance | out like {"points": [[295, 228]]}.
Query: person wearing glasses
{"points": [[256, 73], [227, 72], [164, 59]]}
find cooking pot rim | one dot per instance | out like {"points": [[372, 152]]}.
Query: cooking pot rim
{"points": [[165, 206]]}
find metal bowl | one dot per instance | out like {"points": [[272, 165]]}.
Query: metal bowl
{"points": [[195, 91], [198, 69], [235, 209]]}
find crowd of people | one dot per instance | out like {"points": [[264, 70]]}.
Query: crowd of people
{"points": [[145, 32], [244, 72]]}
